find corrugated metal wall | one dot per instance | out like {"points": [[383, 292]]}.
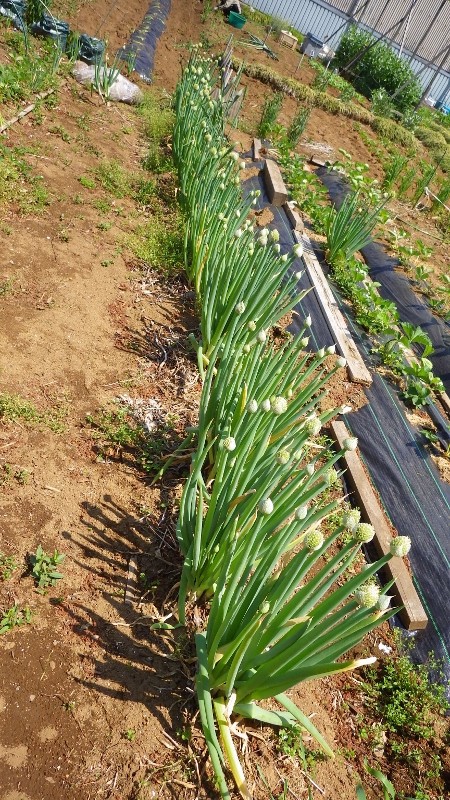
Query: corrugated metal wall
{"points": [[323, 18]]}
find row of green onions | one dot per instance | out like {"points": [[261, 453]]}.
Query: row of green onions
{"points": [[282, 598]]}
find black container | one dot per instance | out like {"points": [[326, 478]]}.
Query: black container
{"points": [[52, 28], [90, 49]]}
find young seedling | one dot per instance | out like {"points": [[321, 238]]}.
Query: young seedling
{"points": [[45, 567], [14, 617]]}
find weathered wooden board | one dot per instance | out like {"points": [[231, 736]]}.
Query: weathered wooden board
{"points": [[413, 614]]}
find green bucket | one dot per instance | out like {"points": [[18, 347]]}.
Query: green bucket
{"points": [[236, 20]]}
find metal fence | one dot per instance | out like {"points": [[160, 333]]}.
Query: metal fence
{"points": [[419, 30]]}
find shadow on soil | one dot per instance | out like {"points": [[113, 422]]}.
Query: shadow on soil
{"points": [[152, 668]]}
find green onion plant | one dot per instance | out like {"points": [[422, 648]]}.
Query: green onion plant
{"points": [[282, 601]]}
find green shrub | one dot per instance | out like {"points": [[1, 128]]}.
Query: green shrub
{"points": [[378, 68]]}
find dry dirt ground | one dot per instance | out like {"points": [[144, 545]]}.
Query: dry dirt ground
{"points": [[94, 704]]}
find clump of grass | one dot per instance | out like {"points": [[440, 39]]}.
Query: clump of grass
{"points": [[161, 245], [14, 408], [157, 118], [113, 178], [19, 187]]}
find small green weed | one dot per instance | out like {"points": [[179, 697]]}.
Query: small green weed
{"points": [[405, 697], [58, 130], [129, 734], [13, 408], [6, 287], [8, 565], [113, 178], [104, 226], [88, 183], [45, 567], [160, 246], [14, 617]]}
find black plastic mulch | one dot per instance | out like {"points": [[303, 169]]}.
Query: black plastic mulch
{"points": [[140, 49], [395, 286], [414, 496]]}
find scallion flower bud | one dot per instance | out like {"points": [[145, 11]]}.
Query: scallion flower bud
{"points": [[383, 602], [252, 407], [314, 540], [307, 321], [274, 235], [297, 250], [283, 457], [330, 350], [350, 443], [331, 476], [301, 512], [265, 506], [265, 405], [363, 533], [278, 405], [367, 595], [351, 519], [400, 546], [312, 425], [341, 362], [239, 308], [261, 336], [229, 444]]}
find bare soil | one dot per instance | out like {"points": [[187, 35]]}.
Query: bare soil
{"points": [[93, 703]]}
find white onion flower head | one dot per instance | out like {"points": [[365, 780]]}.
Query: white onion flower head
{"points": [[238, 233], [251, 325], [364, 533], [321, 352], [208, 137], [298, 250], [367, 595], [278, 405], [341, 362], [350, 443], [312, 425], [265, 506], [274, 235], [265, 405], [234, 155], [310, 469], [307, 321], [261, 336], [229, 444], [262, 240], [283, 457], [331, 476], [301, 512], [351, 519], [330, 350], [284, 258], [237, 180], [277, 248], [383, 603], [252, 407], [239, 308], [264, 607], [305, 341], [246, 349], [400, 546], [298, 276], [314, 540]]}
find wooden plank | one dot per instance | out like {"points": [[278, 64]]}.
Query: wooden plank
{"points": [[294, 217], [317, 162], [275, 187], [357, 370], [257, 146], [26, 110], [413, 614]]}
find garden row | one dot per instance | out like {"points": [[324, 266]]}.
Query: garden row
{"points": [[266, 551]]}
